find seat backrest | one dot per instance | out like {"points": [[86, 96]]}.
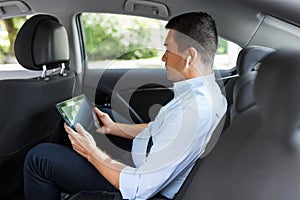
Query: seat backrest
{"points": [[258, 155], [248, 62], [27, 106], [250, 58]]}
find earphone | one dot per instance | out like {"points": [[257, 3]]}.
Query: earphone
{"points": [[188, 59]]}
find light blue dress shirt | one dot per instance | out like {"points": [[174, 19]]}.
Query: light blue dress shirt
{"points": [[180, 133]]}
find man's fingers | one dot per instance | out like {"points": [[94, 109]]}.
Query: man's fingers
{"points": [[102, 115], [98, 112], [78, 148], [69, 130], [80, 129]]}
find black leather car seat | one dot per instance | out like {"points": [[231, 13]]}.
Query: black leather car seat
{"points": [[248, 62], [257, 158], [27, 106]]}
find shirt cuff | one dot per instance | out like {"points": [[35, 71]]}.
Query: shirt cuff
{"points": [[128, 183]]}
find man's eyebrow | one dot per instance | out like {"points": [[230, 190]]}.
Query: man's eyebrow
{"points": [[165, 44]]}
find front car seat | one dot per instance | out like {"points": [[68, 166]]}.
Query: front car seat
{"points": [[27, 106]]}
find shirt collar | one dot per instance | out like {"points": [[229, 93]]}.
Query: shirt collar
{"points": [[183, 86]]}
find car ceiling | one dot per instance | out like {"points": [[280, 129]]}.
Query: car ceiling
{"points": [[245, 22]]}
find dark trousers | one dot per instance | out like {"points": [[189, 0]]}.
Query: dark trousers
{"points": [[51, 169]]}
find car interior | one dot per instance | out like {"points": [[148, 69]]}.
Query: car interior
{"points": [[254, 151], [28, 103]]}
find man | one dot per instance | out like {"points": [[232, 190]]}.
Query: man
{"points": [[179, 133]]}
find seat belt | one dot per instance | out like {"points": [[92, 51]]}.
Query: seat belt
{"points": [[149, 145]]}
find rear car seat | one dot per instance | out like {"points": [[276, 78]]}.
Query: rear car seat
{"points": [[248, 60], [257, 158]]}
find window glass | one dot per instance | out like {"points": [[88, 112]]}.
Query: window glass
{"points": [[8, 32], [227, 54], [121, 41]]}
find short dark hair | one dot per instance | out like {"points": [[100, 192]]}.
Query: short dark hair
{"points": [[201, 30]]}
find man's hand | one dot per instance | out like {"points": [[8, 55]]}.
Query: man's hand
{"points": [[108, 125], [128, 131], [84, 144], [82, 141]]}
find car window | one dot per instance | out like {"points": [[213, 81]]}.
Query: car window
{"points": [[121, 41], [227, 54], [8, 32]]}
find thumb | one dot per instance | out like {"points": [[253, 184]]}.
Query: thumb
{"points": [[80, 129]]}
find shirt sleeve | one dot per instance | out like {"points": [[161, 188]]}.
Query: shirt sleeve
{"points": [[137, 185]]}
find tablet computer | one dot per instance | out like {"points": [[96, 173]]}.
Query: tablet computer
{"points": [[78, 110]]}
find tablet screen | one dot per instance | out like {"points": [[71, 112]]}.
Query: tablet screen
{"points": [[78, 110]]}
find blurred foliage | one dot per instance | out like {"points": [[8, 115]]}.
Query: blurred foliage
{"points": [[222, 46], [111, 36], [8, 32]]}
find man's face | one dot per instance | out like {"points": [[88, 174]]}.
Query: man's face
{"points": [[174, 61]]}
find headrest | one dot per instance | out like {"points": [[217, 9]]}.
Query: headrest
{"points": [[42, 40], [250, 57], [277, 92], [243, 92]]}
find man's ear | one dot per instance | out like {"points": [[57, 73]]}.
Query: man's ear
{"points": [[194, 55]]}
